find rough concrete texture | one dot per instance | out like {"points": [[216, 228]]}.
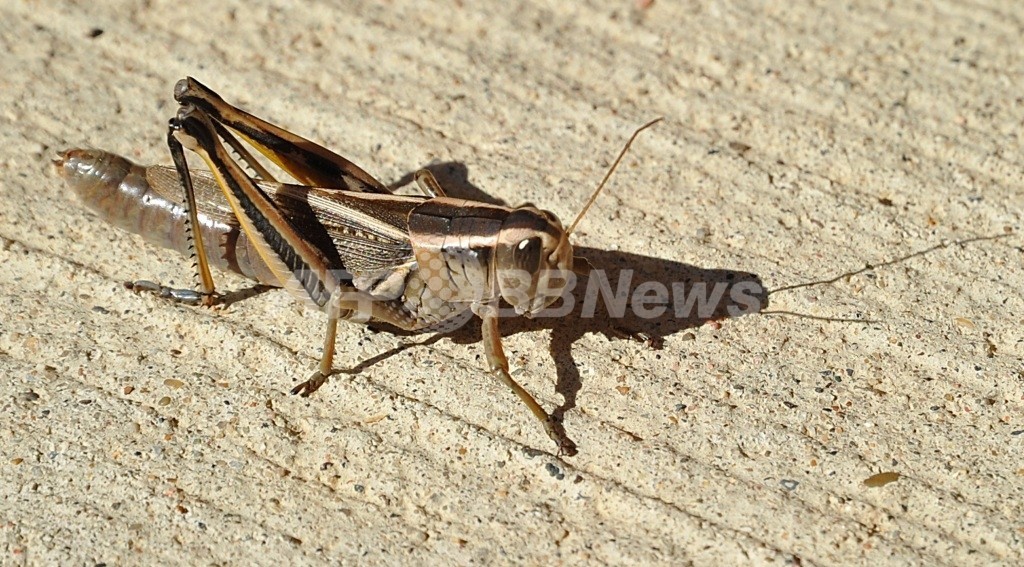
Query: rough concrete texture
{"points": [[860, 159]]}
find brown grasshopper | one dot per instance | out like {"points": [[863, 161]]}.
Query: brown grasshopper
{"points": [[339, 241]]}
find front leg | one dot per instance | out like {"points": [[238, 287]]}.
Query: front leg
{"points": [[499, 367]]}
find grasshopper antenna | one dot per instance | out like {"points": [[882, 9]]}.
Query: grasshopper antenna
{"points": [[611, 170]]}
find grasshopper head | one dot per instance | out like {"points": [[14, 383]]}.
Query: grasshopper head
{"points": [[533, 260], [533, 257]]}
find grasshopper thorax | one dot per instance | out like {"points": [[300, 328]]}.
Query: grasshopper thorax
{"points": [[533, 260]]}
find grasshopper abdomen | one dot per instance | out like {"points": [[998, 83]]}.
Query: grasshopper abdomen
{"points": [[146, 200]]}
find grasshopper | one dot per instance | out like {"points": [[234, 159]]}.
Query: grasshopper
{"points": [[338, 241]]}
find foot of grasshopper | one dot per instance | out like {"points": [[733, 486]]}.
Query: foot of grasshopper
{"points": [[177, 295], [306, 388], [320, 377]]}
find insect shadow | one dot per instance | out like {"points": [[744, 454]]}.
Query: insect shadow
{"points": [[726, 293]]}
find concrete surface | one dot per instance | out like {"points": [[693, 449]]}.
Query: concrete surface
{"points": [[860, 159]]}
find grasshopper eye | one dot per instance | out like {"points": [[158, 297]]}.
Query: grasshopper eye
{"points": [[527, 254]]}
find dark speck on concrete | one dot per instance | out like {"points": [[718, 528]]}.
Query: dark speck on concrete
{"points": [[554, 471]]}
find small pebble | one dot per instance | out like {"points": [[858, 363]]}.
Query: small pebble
{"points": [[881, 479]]}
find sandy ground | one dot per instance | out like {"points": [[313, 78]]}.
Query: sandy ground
{"points": [[861, 160]]}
